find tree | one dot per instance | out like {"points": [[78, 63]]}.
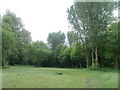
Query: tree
{"points": [[24, 38], [90, 22], [112, 45], [12, 21], [39, 54], [80, 27], [64, 56], [15, 34], [55, 41], [8, 47], [0, 42], [72, 37], [77, 54]]}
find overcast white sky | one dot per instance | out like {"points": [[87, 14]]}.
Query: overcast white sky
{"points": [[40, 16]]}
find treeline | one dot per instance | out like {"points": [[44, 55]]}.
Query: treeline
{"points": [[92, 42]]}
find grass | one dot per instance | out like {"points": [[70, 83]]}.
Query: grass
{"points": [[32, 77], [0, 78]]}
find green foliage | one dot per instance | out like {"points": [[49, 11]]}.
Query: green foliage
{"points": [[94, 39], [14, 40], [54, 39], [38, 54], [11, 22], [91, 25], [111, 48], [76, 51], [72, 37], [8, 46], [65, 54]]}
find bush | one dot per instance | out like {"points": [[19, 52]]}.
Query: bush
{"points": [[5, 66]]}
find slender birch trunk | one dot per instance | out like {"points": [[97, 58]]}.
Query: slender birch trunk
{"points": [[96, 56], [92, 55]]}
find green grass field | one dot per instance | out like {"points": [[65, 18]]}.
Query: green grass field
{"points": [[32, 77]]}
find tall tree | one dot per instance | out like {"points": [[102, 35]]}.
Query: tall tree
{"points": [[78, 26], [12, 28], [91, 21], [56, 38], [55, 41]]}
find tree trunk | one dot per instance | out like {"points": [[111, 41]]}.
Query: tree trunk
{"points": [[92, 55], [80, 63], [72, 64], [86, 52], [87, 62], [87, 59], [116, 63], [96, 56]]}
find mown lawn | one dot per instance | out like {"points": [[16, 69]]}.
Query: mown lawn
{"points": [[32, 77]]}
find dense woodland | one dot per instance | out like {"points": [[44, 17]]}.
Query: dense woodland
{"points": [[92, 42]]}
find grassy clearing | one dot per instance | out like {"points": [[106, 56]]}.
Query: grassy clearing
{"points": [[31, 77]]}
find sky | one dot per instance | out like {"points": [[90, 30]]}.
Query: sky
{"points": [[40, 17]]}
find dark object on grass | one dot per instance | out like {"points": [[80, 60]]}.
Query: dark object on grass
{"points": [[90, 69], [93, 69], [18, 74], [59, 73], [88, 81], [104, 70]]}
